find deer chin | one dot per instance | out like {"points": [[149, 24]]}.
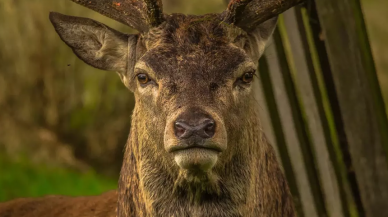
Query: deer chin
{"points": [[196, 159]]}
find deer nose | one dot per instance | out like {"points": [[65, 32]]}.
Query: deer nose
{"points": [[203, 127]]}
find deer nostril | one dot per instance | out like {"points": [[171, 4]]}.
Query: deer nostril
{"points": [[180, 130], [209, 128]]}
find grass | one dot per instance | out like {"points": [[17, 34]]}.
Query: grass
{"points": [[22, 179]]}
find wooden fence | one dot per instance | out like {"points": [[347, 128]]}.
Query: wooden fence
{"points": [[322, 109]]}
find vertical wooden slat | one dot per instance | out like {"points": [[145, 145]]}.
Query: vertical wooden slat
{"points": [[275, 126], [299, 124], [342, 151], [264, 113], [278, 68], [311, 99], [360, 100]]}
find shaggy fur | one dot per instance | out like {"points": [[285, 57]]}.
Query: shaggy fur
{"points": [[194, 63], [61, 206]]}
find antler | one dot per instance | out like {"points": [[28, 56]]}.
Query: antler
{"points": [[138, 14], [247, 14]]}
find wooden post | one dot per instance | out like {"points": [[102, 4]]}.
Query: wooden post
{"points": [[360, 99], [264, 109], [317, 123], [340, 141], [272, 107], [292, 125]]}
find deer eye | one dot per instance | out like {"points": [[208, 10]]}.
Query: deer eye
{"points": [[143, 78], [247, 77]]}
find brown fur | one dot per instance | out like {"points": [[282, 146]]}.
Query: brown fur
{"points": [[61, 206], [196, 64]]}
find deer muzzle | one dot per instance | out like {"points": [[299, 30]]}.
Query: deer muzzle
{"points": [[195, 139]]}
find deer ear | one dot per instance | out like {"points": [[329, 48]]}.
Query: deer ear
{"points": [[266, 29], [93, 42], [258, 37]]}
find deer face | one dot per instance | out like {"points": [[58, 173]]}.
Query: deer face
{"points": [[195, 77], [192, 77]]}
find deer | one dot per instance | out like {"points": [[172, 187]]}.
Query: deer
{"points": [[196, 147]]}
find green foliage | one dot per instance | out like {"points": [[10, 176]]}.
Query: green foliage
{"points": [[22, 179], [44, 86]]}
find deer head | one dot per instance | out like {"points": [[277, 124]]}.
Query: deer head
{"points": [[195, 129]]}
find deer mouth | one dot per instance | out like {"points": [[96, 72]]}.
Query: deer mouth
{"points": [[196, 157], [210, 147]]}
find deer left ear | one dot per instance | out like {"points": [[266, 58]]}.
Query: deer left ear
{"points": [[258, 37], [94, 43]]}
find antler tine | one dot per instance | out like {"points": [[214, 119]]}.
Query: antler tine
{"points": [[235, 9], [155, 12], [140, 15], [247, 14]]}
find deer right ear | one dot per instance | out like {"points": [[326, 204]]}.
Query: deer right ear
{"points": [[96, 44], [260, 35]]}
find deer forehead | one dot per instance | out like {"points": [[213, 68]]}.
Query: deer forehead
{"points": [[199, 47], [189, 30]]}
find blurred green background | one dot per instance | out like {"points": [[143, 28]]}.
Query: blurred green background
{"points": [[63, 124]]}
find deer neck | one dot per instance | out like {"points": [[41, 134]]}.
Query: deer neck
{"points": [[251, 183]]}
